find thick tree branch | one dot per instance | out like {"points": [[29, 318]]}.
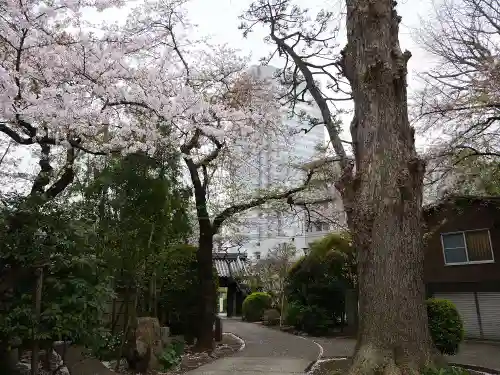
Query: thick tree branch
{"points": [[65, 179], [213, 155], [12, 134], [230, 211]]}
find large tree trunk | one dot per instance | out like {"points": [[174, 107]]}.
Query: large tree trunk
{"points": [[204, 329], [384, 200], [205, 334]]}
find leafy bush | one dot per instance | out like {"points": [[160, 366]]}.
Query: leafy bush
{"points": [[105, 345], [255, 305], [171, 356], [293, 314], [445, 324], [271, 317], [75, 285], [449, 370], [316, 284], [310, 319]]}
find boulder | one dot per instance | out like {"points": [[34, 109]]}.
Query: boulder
{"points": [[56, 364], [144, 345]]}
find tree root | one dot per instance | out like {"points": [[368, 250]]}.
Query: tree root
{"points": [[370, 360]]}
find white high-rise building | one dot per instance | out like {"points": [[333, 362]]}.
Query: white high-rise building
{"points": [[264, 226]]}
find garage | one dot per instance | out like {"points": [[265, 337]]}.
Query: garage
{"points": [[482, 318], [466, 306], [489, 309]]}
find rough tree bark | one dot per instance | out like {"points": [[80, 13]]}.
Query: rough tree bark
{"points": [[385, 197]]}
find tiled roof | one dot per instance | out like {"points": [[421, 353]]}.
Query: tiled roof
{"points": [[457, 199], [229, 265]]}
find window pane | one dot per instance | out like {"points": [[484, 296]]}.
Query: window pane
{"points": [[455, 255], [478, 245], [451, 241]]}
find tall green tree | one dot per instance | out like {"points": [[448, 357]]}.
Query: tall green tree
{"points": [[141, 209]]}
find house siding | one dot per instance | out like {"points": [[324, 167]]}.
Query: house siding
{"points": [[468, 277]]}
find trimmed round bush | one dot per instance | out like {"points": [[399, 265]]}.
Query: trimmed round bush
{"points": [[271, 317], [255, 305], [445, 324]]}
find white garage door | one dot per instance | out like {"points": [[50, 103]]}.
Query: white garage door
{"points": [[489, 308], [466, 306]]}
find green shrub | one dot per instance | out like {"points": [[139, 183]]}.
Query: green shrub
{"points": [[449, 370], [271, 317], [171, 356], [445, 324], [75, 282], [316, 284], [309, 319], [316, 321], [255, 305], [293, 314], [104, 345]]}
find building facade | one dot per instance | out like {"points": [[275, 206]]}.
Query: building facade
{"points": [[462, 260], [275, 166]]}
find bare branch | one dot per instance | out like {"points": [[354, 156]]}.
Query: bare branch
{"points": [[287, 29], [230, 211]]}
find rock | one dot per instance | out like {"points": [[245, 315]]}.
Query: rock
{"points": [[123, 367], [22, 368], [165, 336], [144, 345], [56, 363]]}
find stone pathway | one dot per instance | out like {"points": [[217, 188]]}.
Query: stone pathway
{"points": [[266, 351]]}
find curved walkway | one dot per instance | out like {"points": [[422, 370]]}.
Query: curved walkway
{"points": [[266, 342], [267, 351]]}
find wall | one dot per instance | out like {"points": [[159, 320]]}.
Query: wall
{"points": [[467, 217]]}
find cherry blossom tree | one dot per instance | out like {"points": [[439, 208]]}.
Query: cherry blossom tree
{"points": [[72, 87]]}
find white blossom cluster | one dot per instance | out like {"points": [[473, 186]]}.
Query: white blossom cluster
{"points": [[127, 88]]}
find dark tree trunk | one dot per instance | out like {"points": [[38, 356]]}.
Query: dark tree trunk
{"points": [[205, 337], [384, 199], [204, 329]]}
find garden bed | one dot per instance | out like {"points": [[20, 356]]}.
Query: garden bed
{"points": [[229, 345], [191, 360], [340, 365]]}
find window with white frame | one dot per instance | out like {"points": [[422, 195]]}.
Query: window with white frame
{"points": [[467, 247]]}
